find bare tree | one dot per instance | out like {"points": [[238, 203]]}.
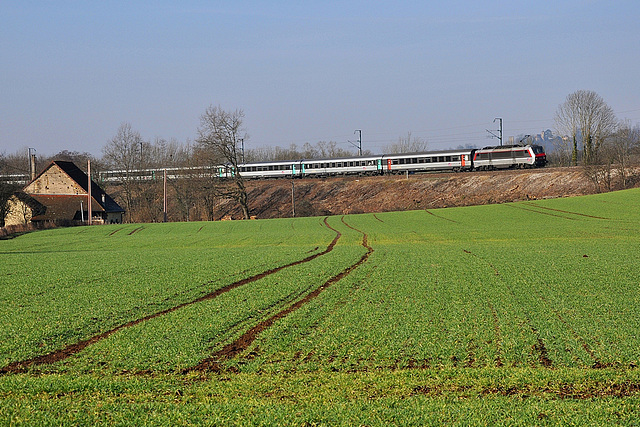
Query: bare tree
{"points": [[408, 144], [125, 152], [585, 114], [221, 132], [624, 144]]}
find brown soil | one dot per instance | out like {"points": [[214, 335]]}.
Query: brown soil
{"points": [[349, 195], [72, 349], [241, 344]]}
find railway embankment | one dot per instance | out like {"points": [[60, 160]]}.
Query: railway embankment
{"points": [[348, 195]]}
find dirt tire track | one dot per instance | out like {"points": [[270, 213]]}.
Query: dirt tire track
{"points": [[136, 229], [115, 231], [597, 363], [568, 212], [72, 349], [496, 328], [539, 347], [233, 349], [441, 217], [541, 213], [485, 261]]}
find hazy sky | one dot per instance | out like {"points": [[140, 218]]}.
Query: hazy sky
{"points": [[306, 71]]}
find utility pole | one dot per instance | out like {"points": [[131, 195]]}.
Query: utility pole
{"points": [[359, 145], [89, 213], [242, 148], [293, 200], [164, 205], [499, 136]]}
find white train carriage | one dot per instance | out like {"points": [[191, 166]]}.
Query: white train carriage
{"points": [[509, 156], [343, 166], [277, 169], [456, 160]]}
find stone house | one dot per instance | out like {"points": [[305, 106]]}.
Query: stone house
{"points": [[60, 194]]}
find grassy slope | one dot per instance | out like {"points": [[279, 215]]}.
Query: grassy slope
{"points": [[473, 298]]}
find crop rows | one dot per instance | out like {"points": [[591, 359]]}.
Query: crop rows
{"points": [[62, 286], [532, 284], [477, 287]]}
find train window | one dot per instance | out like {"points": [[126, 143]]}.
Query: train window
{"points": [[351, 164], [447, 158], [427, 159], [455, 158], [441, 158], [394, 162], [414, 160]]}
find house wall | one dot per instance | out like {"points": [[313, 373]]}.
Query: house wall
{"points": [[54, 181], [114, 218], [18, 212]]}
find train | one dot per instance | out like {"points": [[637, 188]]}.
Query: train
{"points": [[468, 159]]}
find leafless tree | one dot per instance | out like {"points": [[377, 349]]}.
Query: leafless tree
{"points": [[221, 132], [320, 150], [125, 152], [623, 148], [585, 114], [331, 149], [408, 144]]}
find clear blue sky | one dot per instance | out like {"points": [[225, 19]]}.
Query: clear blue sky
{"points": [[304, 71]]}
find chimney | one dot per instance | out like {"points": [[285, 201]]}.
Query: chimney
{"points": [[32, 167]]}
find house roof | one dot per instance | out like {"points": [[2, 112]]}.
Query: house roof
{"points": [[36, 207], [105, 201], [61, 206]]}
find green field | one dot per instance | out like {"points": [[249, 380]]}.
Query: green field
{"points": [[522, 313]]}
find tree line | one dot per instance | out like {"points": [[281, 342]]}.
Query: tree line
{"points": [[591, 136]]}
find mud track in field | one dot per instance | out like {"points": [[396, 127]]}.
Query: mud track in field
{"points": [[498, 333], [136, 230], [539, 348], [568, 212], [441, 217], [241, 344], [597, 363], [72, 349], [559, 391], [541, 213]]}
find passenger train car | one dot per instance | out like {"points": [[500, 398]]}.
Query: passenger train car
{"points": [[487, 158]]}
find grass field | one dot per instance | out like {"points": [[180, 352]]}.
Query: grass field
{"points": [[515, 314]]}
